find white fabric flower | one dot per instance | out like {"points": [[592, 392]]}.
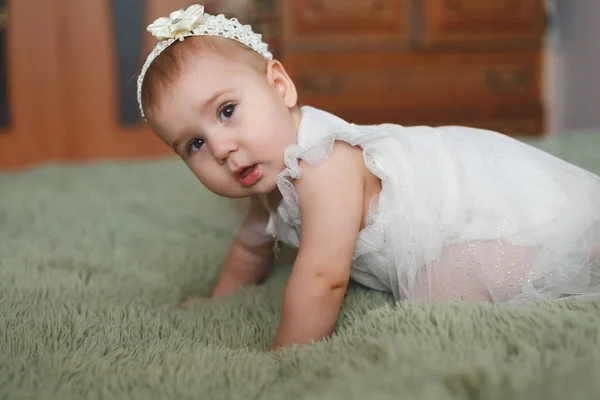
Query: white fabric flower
{"points": [[178, 24]]}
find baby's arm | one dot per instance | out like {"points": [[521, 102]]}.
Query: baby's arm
{"points": [[330, 197], [247, 260]]}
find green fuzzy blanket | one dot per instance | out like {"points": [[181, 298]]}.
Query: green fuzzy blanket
{"points": [[94, 258]]}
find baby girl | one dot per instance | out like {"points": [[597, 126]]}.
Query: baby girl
{"points": [[427, 214]]}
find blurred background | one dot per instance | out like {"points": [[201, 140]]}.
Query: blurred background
{"points": [[523, 67]]}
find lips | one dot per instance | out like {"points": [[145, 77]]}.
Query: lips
{"points": [[247, 176]]}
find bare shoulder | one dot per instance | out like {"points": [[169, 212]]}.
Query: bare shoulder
{"points": [[345, 163], [331, 194], [330, 199]]}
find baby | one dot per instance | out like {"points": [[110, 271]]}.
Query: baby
{"points": [[428, 214]]}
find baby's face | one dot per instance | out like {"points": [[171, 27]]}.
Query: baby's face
{"points": [[230, 123]]}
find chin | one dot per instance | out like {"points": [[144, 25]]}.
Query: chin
{"points": [[240, 193], [265, 186]]}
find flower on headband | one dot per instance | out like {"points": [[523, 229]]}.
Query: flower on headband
{"points": [[178, 24]]}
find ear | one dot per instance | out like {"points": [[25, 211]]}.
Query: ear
{"points": [[281, 81]]}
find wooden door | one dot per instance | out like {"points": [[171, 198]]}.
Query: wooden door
{"points": [[104, 45], [32, 127]]}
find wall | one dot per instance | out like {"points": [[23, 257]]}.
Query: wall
{"points": [[573, 65]]}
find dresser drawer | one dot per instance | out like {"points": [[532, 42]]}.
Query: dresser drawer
{"points": [[353, 80], [522, 126], [327, 24], [517, 120], [487, 23]]}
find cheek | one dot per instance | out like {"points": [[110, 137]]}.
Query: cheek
{"points": [[272, 122], [208, 173]]}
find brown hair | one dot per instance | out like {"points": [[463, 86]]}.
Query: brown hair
{"points": [[167, 67]]}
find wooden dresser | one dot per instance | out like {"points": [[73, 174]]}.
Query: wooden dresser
{"points": [[469, 62], [434, 62]]}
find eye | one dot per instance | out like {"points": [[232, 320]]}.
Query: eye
{"points": [[226, 112], [195, 145]]}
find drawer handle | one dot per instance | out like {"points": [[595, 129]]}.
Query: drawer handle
{"points": [[316, 6], [330, 85], [497, 82], [378, 7], [454, 5]]}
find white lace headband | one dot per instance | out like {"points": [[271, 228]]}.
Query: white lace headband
{"points": [[195, 22]]}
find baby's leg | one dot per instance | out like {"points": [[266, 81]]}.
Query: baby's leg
{"points": [[595, 255], [593, 236], [449, 280], [490, 271]]}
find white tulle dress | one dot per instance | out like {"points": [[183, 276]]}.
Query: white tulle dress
{"points": [[463, 214]]}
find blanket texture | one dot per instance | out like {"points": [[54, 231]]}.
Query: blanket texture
{"points": [[94, 258]]}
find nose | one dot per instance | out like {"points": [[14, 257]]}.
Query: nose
{"points": [[222, 148]]}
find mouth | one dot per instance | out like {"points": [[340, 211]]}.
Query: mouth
{"points": [[247, 176]]}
